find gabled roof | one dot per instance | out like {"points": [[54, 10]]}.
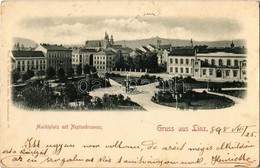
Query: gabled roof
{"points": [[19, 54], [78, 51], [88, 50], [183, 52], [54, 47], [165, 46], [138, 50], [152, 45]]}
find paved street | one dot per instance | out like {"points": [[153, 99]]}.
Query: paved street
{"points": [[144, 93]]}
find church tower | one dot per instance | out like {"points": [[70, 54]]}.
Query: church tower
{"points": [[111, 40], [106, 41]]}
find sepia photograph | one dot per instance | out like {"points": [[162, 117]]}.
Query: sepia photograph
{"points": [[128, 63]]}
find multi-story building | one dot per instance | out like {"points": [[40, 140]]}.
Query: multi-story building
{"points": [[28, 60], [104, 60], [220, 65], [181, 62], [82, 57], [217, 66], [57, 56]]}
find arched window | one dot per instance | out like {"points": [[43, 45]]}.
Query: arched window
{"points": [[206, 62], [181, 61], [236, 62], [176, 61], [170, 60], [220, 62], [212, 62], [228, 62], [187, 61]]}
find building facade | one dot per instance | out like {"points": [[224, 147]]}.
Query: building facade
{"points": [[28, 60], [57, 56], [104, 60], [82, 57], [218, 66]]}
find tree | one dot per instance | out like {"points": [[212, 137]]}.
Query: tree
{"points": [[129, 63], [79, 69], [70, 72], [120, 63], [61, 73], [25, 77], [40, 73], [18, 46], [151, 61], [50, 72], [87, 99], [15, 76], [93, 69], [86, 69], [37, 97], [22, 47], [30, 73], [71, 92], [138, 62]]}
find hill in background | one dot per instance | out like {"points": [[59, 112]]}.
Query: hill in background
{"points": [[137, 43], [177, 42], [26, 42]]}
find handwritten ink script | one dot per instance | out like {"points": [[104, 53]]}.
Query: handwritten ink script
{"points": [[236, 151]]}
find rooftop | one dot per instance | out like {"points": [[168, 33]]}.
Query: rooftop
{"points": [[220, 54], [94, 43], [126, 50], [182, 52], [20, 54], [80, 50], [54, 47]]}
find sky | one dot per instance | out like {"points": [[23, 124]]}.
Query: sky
{"points": [[76, 30], [74, 23]]}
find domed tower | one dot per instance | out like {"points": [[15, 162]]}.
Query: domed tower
{"points": [[232, 45]]}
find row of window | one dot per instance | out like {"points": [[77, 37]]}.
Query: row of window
{"points": [[176, 61], [176, 70], [206, 62], [227, 72], [59, 55], [99, 62], [58, 61], [220, 62], [102, 57], [100, 67], [32, 62]]}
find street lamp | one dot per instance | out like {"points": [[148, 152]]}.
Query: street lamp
{"points": [[208, 85], [176, 97], [127, 84]]}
